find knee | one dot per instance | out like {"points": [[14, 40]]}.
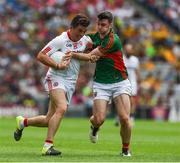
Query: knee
{"points": [[125, 120], [99, 120], [60, 111], [46, 120]]}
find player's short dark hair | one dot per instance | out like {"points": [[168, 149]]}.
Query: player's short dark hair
{"points": [[106, 15], [80, 19]]}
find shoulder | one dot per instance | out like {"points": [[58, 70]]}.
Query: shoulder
{"points": [[108, 43], [117, 39], [60, 38], [86, 38], [62, 35], [92, 34], [114, 41]]}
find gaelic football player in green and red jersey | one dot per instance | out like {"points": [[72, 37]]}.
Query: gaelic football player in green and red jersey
{"points": [[110, 80]]}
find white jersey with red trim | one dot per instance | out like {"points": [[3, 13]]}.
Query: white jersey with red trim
{"points": [[132, 64], [64, 44]]}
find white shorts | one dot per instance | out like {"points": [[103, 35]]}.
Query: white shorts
{"points": [[109, 91], [55, 82]]}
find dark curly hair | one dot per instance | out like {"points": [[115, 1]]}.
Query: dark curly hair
{"points": [[105, 15], [80, 19]]}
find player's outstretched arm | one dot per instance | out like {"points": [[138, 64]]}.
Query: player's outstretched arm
{"points": [[92, 56], [81, 56], [96, 52]]}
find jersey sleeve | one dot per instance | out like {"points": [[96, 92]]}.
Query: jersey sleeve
{"points": [[113, 45], [89, 43], [53, 46], [91, 36]]}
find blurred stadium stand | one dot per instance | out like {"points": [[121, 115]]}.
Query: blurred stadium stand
{"points": [[167, 11], [26, 26]]}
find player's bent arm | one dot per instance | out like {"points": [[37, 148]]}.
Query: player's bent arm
{"points": [[46, 60], [81, 56]]}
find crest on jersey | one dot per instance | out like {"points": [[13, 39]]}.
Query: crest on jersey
{"points": [[75, 45], [68, 45], [80, 43], [55, 84]]}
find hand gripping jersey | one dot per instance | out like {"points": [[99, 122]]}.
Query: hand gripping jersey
{"points": [[64, 44], [111, 67]]}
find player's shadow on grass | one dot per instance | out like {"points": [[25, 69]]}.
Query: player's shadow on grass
{"points": [[17, 156], [24, 156], [94, 156]]}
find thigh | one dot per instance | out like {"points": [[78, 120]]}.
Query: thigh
{"points": [[51, 110], [58, 98], [100, 107], [54, 83], [123, 104]]}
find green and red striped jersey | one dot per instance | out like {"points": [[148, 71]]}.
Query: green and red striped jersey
{"points": [[111, 67]]}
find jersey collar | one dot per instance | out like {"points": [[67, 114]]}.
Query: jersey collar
{"points": [[69, 36]]}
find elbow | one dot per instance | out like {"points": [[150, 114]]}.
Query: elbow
{"points": [[39, 56]]}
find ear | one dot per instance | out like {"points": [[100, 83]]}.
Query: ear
{"points": [[111, 24]]}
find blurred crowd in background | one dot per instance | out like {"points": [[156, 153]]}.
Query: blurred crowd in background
{"points": [[26, 27]]}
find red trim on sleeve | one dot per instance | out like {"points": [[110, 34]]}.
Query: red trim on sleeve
{"points": [[46, 50]]}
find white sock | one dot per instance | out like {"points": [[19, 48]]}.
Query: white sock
{"points": [[47, 145], [22, 124]]}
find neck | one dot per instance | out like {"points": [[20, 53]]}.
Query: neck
{"points": [[102, 35], [71, 36]]}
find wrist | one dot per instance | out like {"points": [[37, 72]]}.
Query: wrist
{"points": [[57, 66], [89, 58]]}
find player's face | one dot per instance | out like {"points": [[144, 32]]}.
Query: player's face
{"points": [[78, 32], [103, 26], [128, 49]]}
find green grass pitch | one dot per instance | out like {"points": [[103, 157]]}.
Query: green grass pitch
{"points": [[151, 141]]}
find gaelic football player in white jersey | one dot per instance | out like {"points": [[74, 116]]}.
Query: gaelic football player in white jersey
{"points": [[132, 64], [59, 81]]}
